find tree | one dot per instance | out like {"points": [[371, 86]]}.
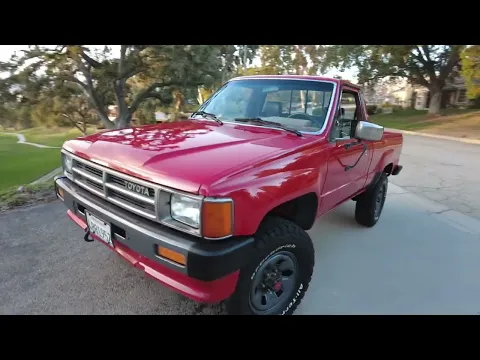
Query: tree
{"points": [[470, 70], [18, 94], [424, 65], [291, 59], [104, 79], [233, 59]]}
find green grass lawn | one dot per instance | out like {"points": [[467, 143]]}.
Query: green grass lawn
{"points": [[51, 136], [404, 120], [21, 164], [451, 121]]}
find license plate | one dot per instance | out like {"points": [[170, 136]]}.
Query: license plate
{"points": [[100, 228]]}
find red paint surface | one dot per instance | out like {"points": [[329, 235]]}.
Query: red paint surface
{"points": [[201, 291], [259, 168]]}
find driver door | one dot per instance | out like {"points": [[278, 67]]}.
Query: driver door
{"points": [[342, 180]]}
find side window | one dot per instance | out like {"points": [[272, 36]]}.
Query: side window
{"points": [[348, 115]]}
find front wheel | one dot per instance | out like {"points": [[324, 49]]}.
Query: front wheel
{"points": [[279, 274]]}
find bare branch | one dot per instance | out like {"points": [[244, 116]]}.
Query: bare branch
{"points": [[418, 79], [453, 59], [426, 62], [145, 94], [121, 62], [74, 123], [92, 62], [127, 74]]}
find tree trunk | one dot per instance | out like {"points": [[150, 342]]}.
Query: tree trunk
{"points": [[123, 120], [435, 101], [104, 119]]}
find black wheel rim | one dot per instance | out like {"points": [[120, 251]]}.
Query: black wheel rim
{"points": [[274, 283], [379, 201]]}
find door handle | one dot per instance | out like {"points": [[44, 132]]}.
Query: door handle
{"points": [[364, 151], [349, 145]]}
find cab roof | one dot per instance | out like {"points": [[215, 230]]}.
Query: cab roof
{"points": [[300, 77]]}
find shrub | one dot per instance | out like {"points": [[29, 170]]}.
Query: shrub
{"points": [[371, 109]]}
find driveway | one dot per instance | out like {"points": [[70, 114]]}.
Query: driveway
{"points": [[442, 170], [416, 260]]}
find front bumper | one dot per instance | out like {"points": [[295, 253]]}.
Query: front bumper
{"points": [[212, 267]]}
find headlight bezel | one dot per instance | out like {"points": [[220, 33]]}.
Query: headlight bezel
{"points": [[204, 204]]}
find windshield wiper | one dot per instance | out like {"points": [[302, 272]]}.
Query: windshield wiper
{"points": [[206, 114], [260, 121]]}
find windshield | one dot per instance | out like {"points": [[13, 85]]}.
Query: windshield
{"points": [[299, 104]]}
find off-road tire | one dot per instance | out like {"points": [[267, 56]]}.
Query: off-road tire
{"points": [[275, 235], [365, 207]]}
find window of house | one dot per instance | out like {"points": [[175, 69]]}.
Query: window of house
{"points": [[462, 96]]}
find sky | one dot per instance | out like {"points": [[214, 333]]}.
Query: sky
{"points": [[7, 50]]}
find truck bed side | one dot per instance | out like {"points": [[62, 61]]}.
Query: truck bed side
{"points": [[386, 154]]}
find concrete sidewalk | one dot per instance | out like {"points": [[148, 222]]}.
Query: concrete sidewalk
{"points": [[435, 136]]}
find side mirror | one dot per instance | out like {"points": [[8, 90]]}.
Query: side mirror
{"points": [[368, 131]]}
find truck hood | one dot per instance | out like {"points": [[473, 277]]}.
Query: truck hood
{"points": [[183, 155]]}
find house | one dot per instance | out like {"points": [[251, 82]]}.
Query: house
{"points": [[402, 96], [383, 92], [454, 94], [112, 114], [161, 117]]}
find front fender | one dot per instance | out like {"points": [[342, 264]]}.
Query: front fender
{"points": [[260, 189]]}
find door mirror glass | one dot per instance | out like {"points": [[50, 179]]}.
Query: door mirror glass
{"points": [[368, 131]]}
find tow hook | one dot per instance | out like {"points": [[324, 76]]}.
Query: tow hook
{"points": [[87, 237]]}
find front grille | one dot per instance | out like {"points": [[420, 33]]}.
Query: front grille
{"points": [[135, 196], [143, 198]]}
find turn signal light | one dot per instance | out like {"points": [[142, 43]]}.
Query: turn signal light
{"points": [[60, 192], [217, 219], [171, 255]]}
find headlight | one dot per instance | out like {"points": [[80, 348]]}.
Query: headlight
{"points": [[67, 162], [185, 210]]}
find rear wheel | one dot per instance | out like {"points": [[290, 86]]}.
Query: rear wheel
{"points": [[370, 204], [275, 281]]}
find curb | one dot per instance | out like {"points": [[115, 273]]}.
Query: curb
{"points": [[443, 137], [48, 176]]}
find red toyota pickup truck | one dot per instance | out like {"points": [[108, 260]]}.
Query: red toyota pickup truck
{"points": [[217, 207]]}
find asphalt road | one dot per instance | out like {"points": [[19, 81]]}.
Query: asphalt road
{"points": [[421, 258], [413, 261], [442, 170]]}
